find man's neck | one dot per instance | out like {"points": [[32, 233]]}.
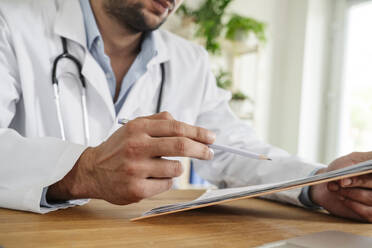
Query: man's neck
{"points": [[118, 40]]}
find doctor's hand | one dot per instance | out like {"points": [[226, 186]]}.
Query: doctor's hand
{"points": [[129, 167], [350, 198]]}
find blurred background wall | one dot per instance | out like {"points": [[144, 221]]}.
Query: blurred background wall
{"points": [[308, 85]]}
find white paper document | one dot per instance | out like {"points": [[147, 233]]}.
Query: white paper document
{"points": [[213, 197]]}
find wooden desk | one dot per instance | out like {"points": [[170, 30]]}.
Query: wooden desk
{"points": [[244, 223]]}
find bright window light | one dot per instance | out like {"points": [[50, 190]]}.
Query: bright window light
{"points": [[356, 131]]}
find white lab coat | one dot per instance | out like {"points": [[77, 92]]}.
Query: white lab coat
{"points": [[32, 154]]}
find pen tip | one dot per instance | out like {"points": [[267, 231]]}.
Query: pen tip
{"points": [[263, 157]]}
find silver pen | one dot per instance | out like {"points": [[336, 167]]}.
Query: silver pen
{"points": [[240, 152], [228, 149]]}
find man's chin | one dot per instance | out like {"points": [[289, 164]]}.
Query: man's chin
{"points": [[154, 21]]}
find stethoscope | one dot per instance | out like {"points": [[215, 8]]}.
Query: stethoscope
{"points": [[68, 56]]}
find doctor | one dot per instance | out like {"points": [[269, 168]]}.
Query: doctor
{"points": [[59, 138]]}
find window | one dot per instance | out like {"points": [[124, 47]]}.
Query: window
{"points": [[356, 102]]}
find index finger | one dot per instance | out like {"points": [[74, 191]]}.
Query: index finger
{"points": [[173, 128]]}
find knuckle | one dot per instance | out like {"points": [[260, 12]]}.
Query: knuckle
{"points": [[140, 123], [180, 146], [200, 133], [177, 168], [166, 115], [131, 127], [134, 148], [177, 128], [130, 170]]}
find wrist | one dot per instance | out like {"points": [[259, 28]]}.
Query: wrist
{"points": [[316, 191], [75, 185]]}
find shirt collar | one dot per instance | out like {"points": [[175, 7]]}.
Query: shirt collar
{"points": [[91, 28], [152, 44]]}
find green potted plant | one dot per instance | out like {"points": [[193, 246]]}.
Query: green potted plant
{"points": [[245, 34], [239, 96], [239, 28], [220, 30], [223, 79], [210, 19], [242, 105]]}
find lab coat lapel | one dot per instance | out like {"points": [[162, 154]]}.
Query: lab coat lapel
{"points": [[137, 100], [69, 23], [96, 77]]}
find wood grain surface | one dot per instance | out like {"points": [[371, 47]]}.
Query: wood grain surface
{"points": [[244, 223]]}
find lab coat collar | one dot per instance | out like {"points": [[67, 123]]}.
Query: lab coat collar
{"points": [[69, 22], [161, 48]]}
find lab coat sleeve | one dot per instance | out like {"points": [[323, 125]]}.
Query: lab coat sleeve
{"points": [[227, 170], [27, 164]]}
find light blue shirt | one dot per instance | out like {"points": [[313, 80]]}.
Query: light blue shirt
{"points": [[96, 48]]}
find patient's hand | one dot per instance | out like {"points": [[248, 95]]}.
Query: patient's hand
{"points": [[349, 198]]}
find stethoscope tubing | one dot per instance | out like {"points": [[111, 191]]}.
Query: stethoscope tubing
{"points": [[56, 90], [83, 94], [59, 112]]}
